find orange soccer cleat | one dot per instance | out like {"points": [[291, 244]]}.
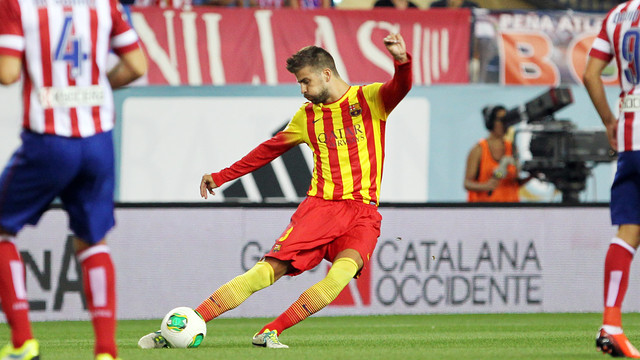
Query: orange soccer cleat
{"points": [[616, 345]]}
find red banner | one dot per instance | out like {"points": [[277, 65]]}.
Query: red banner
{"points": [[244, 46]]}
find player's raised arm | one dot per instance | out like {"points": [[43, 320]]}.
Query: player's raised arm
{"points": [[397, 88]]}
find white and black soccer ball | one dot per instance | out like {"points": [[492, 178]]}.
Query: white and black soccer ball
{"points": [[182, 327]]}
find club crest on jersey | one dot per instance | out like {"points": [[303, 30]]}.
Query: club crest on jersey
{"points": [[355, 110]]}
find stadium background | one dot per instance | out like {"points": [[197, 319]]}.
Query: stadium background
{"points": [[436, 254]]}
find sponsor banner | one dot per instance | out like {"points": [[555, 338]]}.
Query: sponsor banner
{"points": [[428, 260], [535, 48], [221, 46]]}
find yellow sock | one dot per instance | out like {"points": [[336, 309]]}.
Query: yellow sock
{"points": [[318, 296], [236, 291]]}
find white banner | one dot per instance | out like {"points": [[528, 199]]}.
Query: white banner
{"points": [[428, 260], [168, 142]]}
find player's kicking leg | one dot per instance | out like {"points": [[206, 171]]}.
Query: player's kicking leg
{"points": [[310, 301], [227, 297], [610, 338]]}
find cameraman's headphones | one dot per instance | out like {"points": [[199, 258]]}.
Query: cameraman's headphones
{"points": [[489, 114]]}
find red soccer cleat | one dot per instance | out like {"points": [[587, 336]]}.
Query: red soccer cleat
{"points": [[616, 345]]}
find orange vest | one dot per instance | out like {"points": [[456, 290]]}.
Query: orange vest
{"points": [[507, 190]]}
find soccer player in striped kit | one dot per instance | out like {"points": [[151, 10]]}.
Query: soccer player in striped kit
{"points": [[338, 221], [67, 146], [619, 39]]}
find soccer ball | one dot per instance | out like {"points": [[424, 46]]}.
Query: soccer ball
{"points": [[183, 328]]}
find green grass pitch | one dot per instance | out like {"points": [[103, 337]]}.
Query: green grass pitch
{"points": [[485, 336]]}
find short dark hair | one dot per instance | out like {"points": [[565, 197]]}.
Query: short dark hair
{"points": [[489, 114], [314, 56]]}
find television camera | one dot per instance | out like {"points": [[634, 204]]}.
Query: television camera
{"points": [[557, 151]]}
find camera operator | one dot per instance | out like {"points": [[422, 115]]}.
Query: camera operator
{"points": [[491, 174]]}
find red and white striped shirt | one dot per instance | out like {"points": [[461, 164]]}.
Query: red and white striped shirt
{"points": [[64, 45], [619, 38]]}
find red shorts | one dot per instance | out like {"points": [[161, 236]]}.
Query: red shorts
{"points": [[320, 229]]}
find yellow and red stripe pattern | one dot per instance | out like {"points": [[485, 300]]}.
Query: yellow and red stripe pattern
{"points": [[347, 140], [345, 136]]}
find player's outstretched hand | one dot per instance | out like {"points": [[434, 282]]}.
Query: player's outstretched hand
{"points": [[396, 47], [207, 185]]}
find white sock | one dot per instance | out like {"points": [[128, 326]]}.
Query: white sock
{"points": [[613, 330]]}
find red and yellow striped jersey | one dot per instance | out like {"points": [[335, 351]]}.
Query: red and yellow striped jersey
{"points": [[347, 138]]}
